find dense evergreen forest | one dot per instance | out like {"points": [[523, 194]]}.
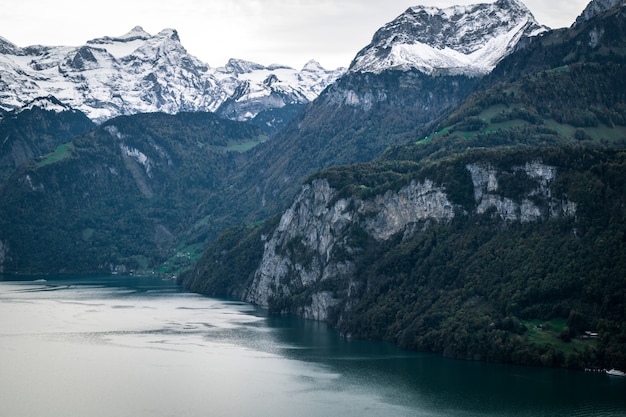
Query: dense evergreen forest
{"points": [[136, 194]]}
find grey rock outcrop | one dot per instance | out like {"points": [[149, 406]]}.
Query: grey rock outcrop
{"points": [[597, 7], [300, 248], [486, 187]]}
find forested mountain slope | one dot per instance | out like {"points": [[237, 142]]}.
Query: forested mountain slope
{"points": [[497, 236], [139, 190], [123, 197], [36, 130]]}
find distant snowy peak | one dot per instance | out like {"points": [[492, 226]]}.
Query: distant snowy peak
{"points": [[48, 103], [240, 66], [468, 40], [139, 73], [597, 7], [6, 47], [252, 87], [136, 33], [312, 66]]}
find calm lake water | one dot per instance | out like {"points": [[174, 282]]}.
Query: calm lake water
{"points": [[120, 346]]}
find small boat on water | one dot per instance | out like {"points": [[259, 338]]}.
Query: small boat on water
{"points": [[615, 372]]}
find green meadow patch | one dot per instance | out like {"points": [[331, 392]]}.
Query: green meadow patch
{"points": [[550, 333], [61, 152]]}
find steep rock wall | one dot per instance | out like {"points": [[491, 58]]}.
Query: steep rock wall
{"points": [[308, 265]]}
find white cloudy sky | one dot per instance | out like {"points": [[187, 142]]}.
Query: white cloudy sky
{"points": [[264, 31]]}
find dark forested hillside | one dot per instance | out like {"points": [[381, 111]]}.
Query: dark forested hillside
{"points": [[126, 196], [521, 292], [37, 130]]}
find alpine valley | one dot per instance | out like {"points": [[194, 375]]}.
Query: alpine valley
{"points": [[458, 189]]}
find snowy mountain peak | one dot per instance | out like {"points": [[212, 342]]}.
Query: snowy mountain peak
{"points": [[131, 42], [241, 66], [171, 34], [312, 66], [48, 103], [467, 40], [512, 4], [136, 33], [6, 47]]}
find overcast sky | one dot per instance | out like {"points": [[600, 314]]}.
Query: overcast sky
{"points": [[287, 32]]}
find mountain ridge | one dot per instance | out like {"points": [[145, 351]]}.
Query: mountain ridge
{"points": [[596, 7], [36, 129], [138, 72]]}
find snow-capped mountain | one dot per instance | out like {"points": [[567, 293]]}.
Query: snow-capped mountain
{"points": [[139, 72], [467, 40], [252, 87]]}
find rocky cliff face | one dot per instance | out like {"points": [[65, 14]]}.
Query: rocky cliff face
{"points": [[535, 205], [299, 253], [314, 250]]}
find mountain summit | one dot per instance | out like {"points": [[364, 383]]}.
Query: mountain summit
{"points": [[468, 40], [597, 7]]}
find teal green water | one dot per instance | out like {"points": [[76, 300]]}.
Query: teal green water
{"points": [[143, 347]]}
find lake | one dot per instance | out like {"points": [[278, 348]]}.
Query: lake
{"points": [[128, 346]]}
